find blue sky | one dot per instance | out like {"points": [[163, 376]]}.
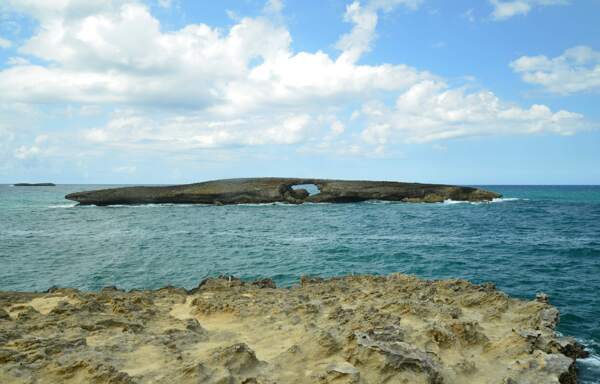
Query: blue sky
{"points": [[465, 92]]}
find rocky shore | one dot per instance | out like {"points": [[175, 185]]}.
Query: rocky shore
{"points": [[355, 329], [281, 190]]}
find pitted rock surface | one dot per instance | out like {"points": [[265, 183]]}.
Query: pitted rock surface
{"points": [[355, 329]]}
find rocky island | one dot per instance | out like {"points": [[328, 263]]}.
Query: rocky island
{"points": [[284, 190], [354, 329], [34, 185]]}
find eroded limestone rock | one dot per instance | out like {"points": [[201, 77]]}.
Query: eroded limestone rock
{"points": [[355, 329]]}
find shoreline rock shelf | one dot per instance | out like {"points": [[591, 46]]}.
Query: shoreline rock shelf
{"points": [[354, 329], [272, 190]]}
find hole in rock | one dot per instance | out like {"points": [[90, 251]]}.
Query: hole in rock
{"points": [[312, 189]]}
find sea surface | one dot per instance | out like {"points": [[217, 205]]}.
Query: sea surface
{"points": [[537, 238]]}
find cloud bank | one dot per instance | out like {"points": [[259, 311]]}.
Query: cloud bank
{"points": [[576, 70], [202, 87]]}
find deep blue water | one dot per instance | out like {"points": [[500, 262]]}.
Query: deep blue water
{"points": [[539, 238]]}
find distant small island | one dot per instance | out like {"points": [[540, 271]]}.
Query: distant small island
{"points": [[34, 185], [282, 190]]}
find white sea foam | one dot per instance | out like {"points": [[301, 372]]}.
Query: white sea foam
{"points": [[450, 202], [151, 205], [277, 203], [63, 205], [497, 200], [591, 361]]}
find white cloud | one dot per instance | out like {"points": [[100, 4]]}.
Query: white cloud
{"points": [[202, 87], [274, 6], [34, 151], [576, 70], [365, 17], [122, 57], [46, 10], [431, 111], [5, 43], [506, 9], [25, 153], [186, 132]]}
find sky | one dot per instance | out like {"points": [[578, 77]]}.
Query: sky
{"points": [[470, 92]]}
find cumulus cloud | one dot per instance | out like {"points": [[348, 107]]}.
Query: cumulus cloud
{"points": [[202, 87], [120, 55], [132, 130], [45, 10], [506, 9], [365, 17], [431, 111], [576, 70]]}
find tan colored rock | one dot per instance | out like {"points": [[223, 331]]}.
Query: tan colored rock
{"points": [[355, 329]]}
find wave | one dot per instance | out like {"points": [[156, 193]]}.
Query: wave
{"points": [[62, 206], [592, 361], [497, 200], [278, 203]]}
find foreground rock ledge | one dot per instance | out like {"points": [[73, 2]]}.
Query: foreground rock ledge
{"points": [[273, 190], [355, 329]]}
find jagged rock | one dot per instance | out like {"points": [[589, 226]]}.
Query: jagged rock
{"points": [[4, 315], [469, 332], [237, 358], [329, 345], [264, 283], [342, 373], [353, 329], [568, 346], [401, 355], [272, 190], [542, 297]]}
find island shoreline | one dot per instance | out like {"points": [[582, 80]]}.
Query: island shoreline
{"points": [[281, 190]]}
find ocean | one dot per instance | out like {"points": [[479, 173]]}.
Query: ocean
{"points": [[535, 239]]}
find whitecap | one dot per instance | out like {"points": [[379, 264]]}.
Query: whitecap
{"points": [[591, 361], [151, 205], [450, 202], [381, 202], [496, 200], [62, 205], [504, 199], [276, 203]]}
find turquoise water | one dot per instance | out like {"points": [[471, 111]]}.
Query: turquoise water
{"points": [[538, 238]]}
